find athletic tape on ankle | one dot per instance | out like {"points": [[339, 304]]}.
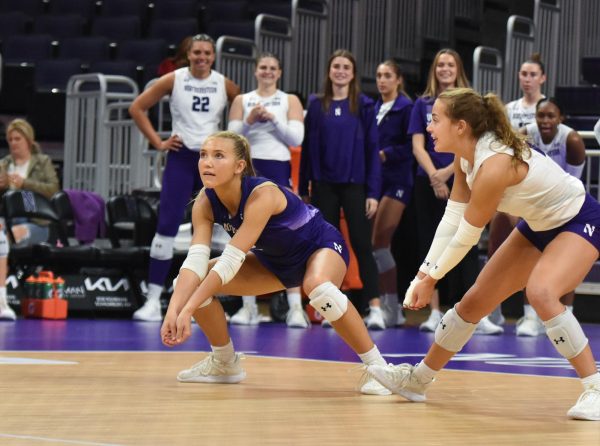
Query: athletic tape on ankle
{"points": [[229, 263], [464, 239], [329, 301], [384, 260], [452, 333], [566, 334], [162, 247], [197, 260], [444, 233]]}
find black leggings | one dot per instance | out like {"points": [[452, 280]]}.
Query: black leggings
{"points": [[329, 198]]}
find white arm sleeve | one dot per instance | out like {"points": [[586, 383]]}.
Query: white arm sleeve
{"points": [[229, 263], [239, 127], [291, 133], [197, 260], [444, 233], [575, 171], [465, 237]]}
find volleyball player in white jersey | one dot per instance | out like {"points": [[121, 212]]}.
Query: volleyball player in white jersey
{"points": [[521, 112], [549, 252], [272, 121], [198, 97]]}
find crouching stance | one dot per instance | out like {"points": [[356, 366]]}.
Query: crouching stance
{"points": [[277, 242], [549, 252]]}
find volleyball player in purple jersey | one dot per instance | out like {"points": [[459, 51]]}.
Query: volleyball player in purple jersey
{"points": [[277, 242], [198, 97], [392, 112], [434, 178], [272, 121], [549, 253], [340, 160]]}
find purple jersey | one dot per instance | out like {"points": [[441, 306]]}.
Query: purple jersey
{"points": [[289, 238], [419, 120]]}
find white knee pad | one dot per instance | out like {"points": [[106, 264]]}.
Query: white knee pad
{"points": [[566, 334], [162, 247], [329, 301], [4, 247], [452, 333], [384, 259]]}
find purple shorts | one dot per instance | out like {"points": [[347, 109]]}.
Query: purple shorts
{"points": [[586, 224], [399, 192], [316, 235], [277, 171]]}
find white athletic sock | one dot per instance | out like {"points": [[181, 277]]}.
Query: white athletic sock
{"points": [[225, 354], [294, 298], [249, 300], [423, 373], [3, 302], [154, 292], [372, 357], [592, 380], [374, 308], [529, 312]]}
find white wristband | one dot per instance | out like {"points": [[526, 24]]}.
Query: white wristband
{"points": [[575, 171], [197, 260], [229, 263]]}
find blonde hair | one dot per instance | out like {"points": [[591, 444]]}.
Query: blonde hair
{"points": [[433, 85], [483, 114], [25, 129], [241, 148], [354, 87]]}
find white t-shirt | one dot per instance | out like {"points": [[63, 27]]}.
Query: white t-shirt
{"points": [[385, 107], [547, 198], [197, 106], [557, 148], [262, 136], [519, 114]]}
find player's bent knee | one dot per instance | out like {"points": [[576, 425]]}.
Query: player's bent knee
{"points": [[452, 333], [329, 301], [384, 259], [162, 247], [566, 334]]}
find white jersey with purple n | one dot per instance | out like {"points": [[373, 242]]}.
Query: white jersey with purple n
{"points": [[548, 199], [289, 238], [557, 148], [520, 114], [197, 106]]}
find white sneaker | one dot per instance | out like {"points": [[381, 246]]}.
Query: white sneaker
{"points": [[297, 317], [247, 315], [7, 314], [211, 370], [587, 406], [487, 327], [374, 320], [530, 326], [369, 386], [432, 322], [401, 380], [149, 312]]}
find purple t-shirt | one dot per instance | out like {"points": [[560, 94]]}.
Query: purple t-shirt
{"points": [[419, 120]]}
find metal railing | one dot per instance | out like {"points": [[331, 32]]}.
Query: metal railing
{"points": [[487, 70], [235, 59], [547, 18], [100, 138], [309, 45], [520, 33]]}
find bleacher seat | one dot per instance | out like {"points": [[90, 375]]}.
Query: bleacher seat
{"points": [[590, 70], [27, 48], [243, 29], [117, 29], [88, 49], [143, 51], [173, 31], [29, 7], [14, 23], [118, 8], [85, 8], [175, 9], [60, 26], [580, 100]]}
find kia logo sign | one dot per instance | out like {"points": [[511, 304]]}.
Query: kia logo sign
{"points": [[105, 284]]}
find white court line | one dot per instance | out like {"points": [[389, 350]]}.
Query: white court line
{"points": [[56, 440]]}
